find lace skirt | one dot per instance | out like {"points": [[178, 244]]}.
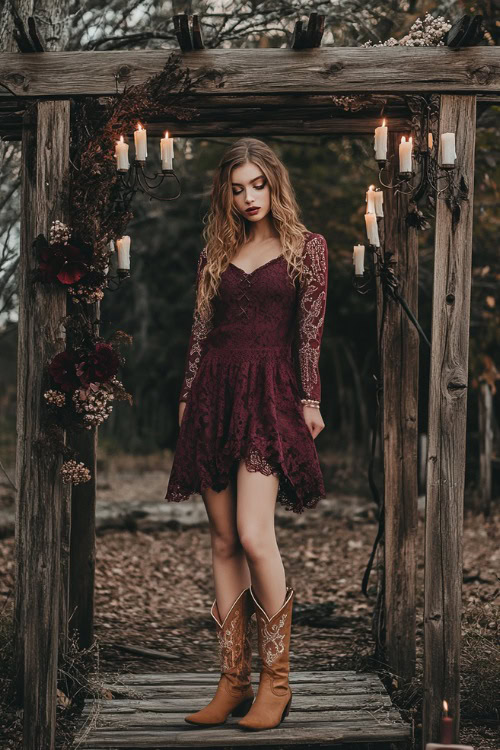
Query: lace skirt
{"points": [[245, 404]]}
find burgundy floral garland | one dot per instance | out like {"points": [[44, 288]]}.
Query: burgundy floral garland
{"points": [[84, 378]]}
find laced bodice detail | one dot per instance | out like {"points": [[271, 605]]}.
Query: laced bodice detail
{"points": [[256, 315]]}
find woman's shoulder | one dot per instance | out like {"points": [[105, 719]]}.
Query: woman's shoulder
{"points": [[314, 242]]}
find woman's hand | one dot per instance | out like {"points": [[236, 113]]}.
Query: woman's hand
{"points": [[313, 420], [182, 407]]}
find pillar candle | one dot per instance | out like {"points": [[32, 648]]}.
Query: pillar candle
{"points": [[446, 726], [379, 199], [448, 153], [123, 249], [370, 200], [121, 153], [372, 229], [380, 142], [405, 148], [167, 151], [141, 143], [358, 257]]}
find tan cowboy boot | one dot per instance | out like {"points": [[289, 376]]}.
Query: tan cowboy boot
{"points": [[274, 695], [234, 692]]}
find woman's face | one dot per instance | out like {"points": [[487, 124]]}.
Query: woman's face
{"points": [[250, 190]]}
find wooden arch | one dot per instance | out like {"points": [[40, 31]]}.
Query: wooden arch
{"points": [[295, 99]]}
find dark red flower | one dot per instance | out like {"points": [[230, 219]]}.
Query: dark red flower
{"points": [[66, 263], [99, 366], [62, 368]]}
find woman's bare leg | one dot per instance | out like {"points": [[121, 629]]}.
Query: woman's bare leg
{"points": [[229, 563], [256, 504]]}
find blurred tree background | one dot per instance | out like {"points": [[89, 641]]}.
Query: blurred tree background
{"points": [[330, 176]]}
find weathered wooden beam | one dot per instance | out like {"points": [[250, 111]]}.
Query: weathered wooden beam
{"points": [[323, 70], [399, 361], [45, 175], [447, 426]]}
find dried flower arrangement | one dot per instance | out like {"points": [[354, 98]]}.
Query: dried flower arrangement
{"points": [[83, 378]]}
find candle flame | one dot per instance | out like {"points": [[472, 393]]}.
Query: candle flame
{"points": [[383, 122], [166, 133], [445, 707], [121, 138], [139, 126], [403, 139], [372, 187]]}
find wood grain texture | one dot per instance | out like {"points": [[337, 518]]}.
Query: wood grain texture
{"points": [[327, 69], [327, 707], [447, 429], [400, 358], [45, 171], [83, 522]]}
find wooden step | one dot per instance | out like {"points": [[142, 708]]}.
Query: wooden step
{"points": [[148, 710]]}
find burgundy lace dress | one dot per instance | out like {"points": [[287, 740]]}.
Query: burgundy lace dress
{"points": [[246, 371]]}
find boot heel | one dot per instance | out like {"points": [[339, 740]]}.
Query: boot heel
{"points": [[242, 708], [287, 710]]}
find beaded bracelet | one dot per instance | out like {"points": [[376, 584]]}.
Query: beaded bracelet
{"points": [[310, 402]]}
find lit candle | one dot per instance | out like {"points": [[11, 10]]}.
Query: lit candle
{"points": [[379, 199], [141, 143], [121, 153], [405, 148], [370, 200], [448, 153], [123, 249], [380, 143], [430, 142], [372, 229], [358, 257], [167, 151], [446, 726]]}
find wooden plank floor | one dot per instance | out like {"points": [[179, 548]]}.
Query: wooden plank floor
{"points": [[327, 708]]}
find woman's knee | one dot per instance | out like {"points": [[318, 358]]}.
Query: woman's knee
{"points": [[226, 544], [257, 545]]}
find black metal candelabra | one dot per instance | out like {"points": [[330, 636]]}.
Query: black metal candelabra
{"points": [[136, 179]]}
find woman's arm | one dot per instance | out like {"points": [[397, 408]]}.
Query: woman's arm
{"points": [[311, 317], [196, 345]]}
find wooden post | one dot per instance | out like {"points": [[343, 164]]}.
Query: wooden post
{"points": [[83, 552], [483, 498], [447, 426], [400, 351], [39, 486]]}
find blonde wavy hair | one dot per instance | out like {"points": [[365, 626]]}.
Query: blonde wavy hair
{"points": [[226, 229]]}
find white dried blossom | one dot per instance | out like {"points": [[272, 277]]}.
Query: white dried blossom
{"points": [[75, 472], [86, 294], [57, 398], [59, 232], [428, 32], [93, 404]]}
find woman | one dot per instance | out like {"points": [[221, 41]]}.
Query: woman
{"points": [[249, 414]]}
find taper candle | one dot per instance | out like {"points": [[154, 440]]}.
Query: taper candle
{"points": [[141, 143], [370, 200], [448, 153], [405, 148], [121, 153], [380, 141], [372, 229], [379, 199], [358, 257], [123, 249]]}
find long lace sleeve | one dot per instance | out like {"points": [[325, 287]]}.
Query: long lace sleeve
{"points": [[311, 316], [196, 345]]}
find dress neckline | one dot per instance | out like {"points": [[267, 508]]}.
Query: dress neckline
{"points": [[258, 267]]}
